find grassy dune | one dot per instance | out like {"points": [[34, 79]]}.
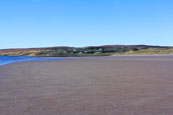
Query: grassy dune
{"points": [[149, 51]]}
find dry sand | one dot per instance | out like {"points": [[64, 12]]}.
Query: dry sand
{"points": [[89, 86]]}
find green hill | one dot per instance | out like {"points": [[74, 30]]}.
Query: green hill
{"points": [[106, 50]]}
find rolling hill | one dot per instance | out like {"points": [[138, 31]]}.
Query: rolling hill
{"points": [[105, 50]]}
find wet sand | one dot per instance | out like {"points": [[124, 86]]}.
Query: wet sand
{"points": [[88, 86]]}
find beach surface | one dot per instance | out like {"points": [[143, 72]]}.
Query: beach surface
{"points": [[88, 86]]}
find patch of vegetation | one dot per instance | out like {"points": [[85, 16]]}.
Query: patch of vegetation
{"points": [[149, 51]]}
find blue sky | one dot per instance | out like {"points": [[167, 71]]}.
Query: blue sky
{"points": [[43, 23]]}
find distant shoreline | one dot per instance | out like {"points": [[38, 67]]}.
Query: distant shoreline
{"points": [[147, 55], [16, 59]]}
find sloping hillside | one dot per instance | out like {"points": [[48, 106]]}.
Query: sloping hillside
{"points": [[89, 51]]}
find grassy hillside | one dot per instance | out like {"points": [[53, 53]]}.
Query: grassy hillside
{"points": [[149, 51], [89, 51]]}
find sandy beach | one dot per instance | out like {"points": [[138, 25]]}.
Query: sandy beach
{"points": [[88, 86]]}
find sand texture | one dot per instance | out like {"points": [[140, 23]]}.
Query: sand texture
{"points": [[88, 86]]}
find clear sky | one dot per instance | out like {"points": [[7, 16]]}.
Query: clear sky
{"points": [[43, 23]]}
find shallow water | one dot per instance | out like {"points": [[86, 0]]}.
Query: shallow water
{"points": [[13, 59]]}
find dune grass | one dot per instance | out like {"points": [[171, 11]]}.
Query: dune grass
{"points": [[149, 51]]}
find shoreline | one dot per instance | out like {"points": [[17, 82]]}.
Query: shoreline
{"points": [[74, 58], [147, 55]]}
